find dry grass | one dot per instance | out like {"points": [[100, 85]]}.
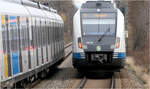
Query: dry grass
{"points": [[140, 71]]}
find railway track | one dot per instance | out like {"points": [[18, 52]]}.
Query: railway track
{"points": [[84, 83], [67, 53]]}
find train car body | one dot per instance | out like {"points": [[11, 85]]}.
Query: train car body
{"points": [[99, 37], [31, 40]]}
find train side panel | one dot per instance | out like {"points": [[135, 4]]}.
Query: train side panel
{"points": [[24, 44], [120, 32]]}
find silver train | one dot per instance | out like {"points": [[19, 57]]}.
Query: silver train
{"points": [[31, 40], [99, 37]]}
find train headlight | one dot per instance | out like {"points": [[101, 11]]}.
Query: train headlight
{"points": [[79, 43], [117, 45]]}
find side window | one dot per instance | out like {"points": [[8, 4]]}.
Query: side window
{"points": [[13, 33], [27, 33], [23, 33], [30, 33], [46, 36], [35, 29], [4, 33], [51, 31], [48, 31], [38, 33]]}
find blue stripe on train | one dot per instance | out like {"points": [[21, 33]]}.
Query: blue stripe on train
{"points": [[121, 55], [15, 63], [76, 55]]}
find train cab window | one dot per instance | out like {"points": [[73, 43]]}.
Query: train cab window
{"points": [[98, 26], [98, 23]]}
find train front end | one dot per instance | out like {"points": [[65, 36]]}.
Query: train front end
{"points": [[102, 37]]}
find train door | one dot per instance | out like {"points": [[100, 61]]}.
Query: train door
{"points": [[50, 40], [48, 46], [55, 40], [53, 49], [13, 40], [44, 40], [39, 40], [62, 38], [46, 36], [57, 35], [34, 36], [31, 45], [59, 39], [3, 43], [24, 43]]}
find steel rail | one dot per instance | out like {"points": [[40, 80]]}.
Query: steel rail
{"points": [[112, 82], [82, 83], [68, 45], [39, 80]]}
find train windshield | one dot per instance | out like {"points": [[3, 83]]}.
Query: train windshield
{"points": [[97, 24]]}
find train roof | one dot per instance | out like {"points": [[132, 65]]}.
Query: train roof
{"points": [[28, 8], [12, 8], [103, 6], [97, 4], [32, 4]]}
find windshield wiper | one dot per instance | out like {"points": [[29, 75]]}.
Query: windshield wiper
{"points": [[103, 35]]}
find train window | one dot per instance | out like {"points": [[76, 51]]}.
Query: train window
{"points": [[98, 15], [23, 33], [98, 21], [55, 32], [26, 34], [4, 34], [39, 33], [35, 33], [45, 32], [13, 35], [51, 32], [42, 33], [90, 26], [48, 31], [98, 26], [46, 27], [30, 35]]}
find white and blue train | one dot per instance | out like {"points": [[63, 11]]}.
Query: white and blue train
{"points": [[99, 37], [31, 40]]}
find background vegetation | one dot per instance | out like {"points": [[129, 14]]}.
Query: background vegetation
{"points": [[137, 17]]}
